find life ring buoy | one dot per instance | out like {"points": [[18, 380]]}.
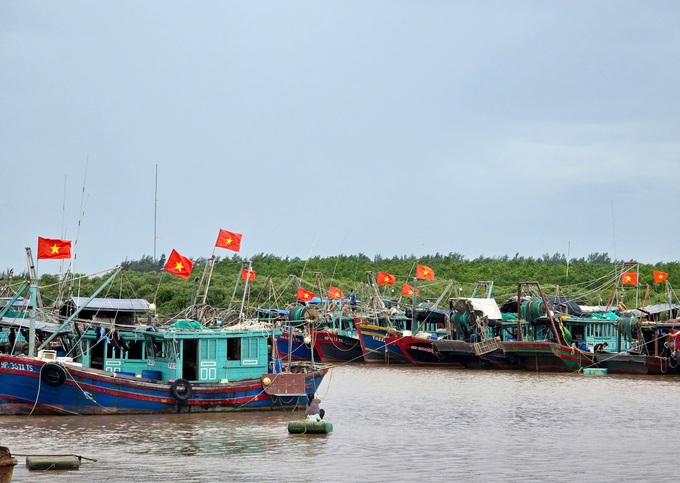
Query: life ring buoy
{"points": [[332, 306], [53, 374], [177, 393], [622, 306]]}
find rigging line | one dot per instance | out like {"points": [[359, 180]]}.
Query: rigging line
{"points": [[341, 249], [308, 256], [78, 278]]}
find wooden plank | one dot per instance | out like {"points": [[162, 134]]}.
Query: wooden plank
{"points": [[284, 384]]}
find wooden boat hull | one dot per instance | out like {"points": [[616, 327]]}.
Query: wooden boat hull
{"points": [[421, 353], [91, 391], [337, 348], [300, 352], [464, 353], [626, 363], [375, 348], [545, 356]]}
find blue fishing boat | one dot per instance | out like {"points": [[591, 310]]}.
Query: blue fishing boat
{"points": [[186, 367], [155, 372]]}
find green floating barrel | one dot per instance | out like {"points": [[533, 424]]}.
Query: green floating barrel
{"points": [[594, 371], [59, 462], [309, 427]]}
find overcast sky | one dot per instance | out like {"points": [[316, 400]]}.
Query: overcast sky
{"points": [[485, 127]]}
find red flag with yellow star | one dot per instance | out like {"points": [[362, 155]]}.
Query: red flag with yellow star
{"points": [[304, 295], [424, 272], [385, 279], [229, 240], [408, 290], [179, 265], [54, 249], [250, 275], [629, 278], [660, 277], [335, 293]]}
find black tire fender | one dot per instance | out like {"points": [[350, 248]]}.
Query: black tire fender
{"points": [[673, 360], [181, 395], [53, 374]]}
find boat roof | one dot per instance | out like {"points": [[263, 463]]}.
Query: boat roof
{"points": [[13, 322], [20, 302], [119, 305], [655, 309]]}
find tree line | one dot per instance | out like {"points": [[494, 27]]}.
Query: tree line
{"points": [[588, 279]]}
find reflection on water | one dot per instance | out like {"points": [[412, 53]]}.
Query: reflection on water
{"points": [[390, 424]]}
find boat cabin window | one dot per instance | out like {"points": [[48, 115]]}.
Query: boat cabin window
{"points": [[233, 349], [154, 349], [170, 352], [112, 352], [249, 348], [136, 349]]}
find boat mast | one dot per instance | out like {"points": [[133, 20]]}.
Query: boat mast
{"points": [[155, 213], [35, 297]]}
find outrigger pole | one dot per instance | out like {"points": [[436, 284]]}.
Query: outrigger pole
{"points": [[68, 321]]}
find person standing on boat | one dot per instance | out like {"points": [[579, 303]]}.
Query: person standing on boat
{"points": [[353, 300], [313, 411]]}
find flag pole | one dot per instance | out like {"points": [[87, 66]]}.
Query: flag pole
{"points": [[413, 315], [245, 288]]}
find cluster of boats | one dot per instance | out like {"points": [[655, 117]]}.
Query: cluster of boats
{"points": [[540, 334], [113, 356]]}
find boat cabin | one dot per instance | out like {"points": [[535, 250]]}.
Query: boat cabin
{"points": [[198, 356]]}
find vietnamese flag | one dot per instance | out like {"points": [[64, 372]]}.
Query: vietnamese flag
{"points": [[408, 290], [629, 278], [248, 275], [335, 293], [229, 240], [304, 295], [54, 249], [179, 265], [424, 272], [660, 277], [385, 279]]}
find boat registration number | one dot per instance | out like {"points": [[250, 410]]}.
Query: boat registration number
{"points": [[16, 367]]}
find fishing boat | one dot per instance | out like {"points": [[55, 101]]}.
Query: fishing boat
{"points": [[337, 339], [161, 372], [543, 343], [653, 348], [294, 343], [377, 343], [477, 332], [185, 367]]}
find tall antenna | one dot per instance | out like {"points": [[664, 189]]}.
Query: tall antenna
{"points": [[63, 234], [308, 256], [614, 231], [80, 219], [155, 211], [568, 255]]}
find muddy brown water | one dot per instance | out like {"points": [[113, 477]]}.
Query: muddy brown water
{"points": [[391, 423]]}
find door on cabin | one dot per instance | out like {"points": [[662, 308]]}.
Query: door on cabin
{"points": [[208, 360]]}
